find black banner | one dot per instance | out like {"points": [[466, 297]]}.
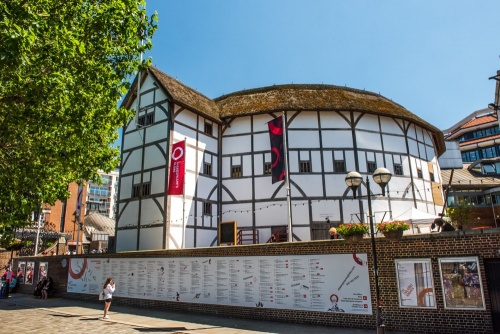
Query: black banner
{"points": [[277, 151]]}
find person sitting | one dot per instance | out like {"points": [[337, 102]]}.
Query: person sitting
{"points": [[47, 288], [13, 284], [39, 287]]}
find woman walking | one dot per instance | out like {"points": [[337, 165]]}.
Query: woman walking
{"points": [[108, 288]]}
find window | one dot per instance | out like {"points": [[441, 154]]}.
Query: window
{"points": [[208, 129], [267, 168], [431, 174], [207, 168], [146, 189], [147, 119], [236, 171], [136, 190], [398, 169], [419, 173], [371, 166], [207, 209], [305, 167], [339, 166]]}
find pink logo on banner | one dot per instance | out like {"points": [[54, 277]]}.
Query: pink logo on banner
{"points": [[177, 161]]}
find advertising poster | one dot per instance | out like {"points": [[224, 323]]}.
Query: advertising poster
{"points": [[325, 283], [43, 268], [30, 272], [461, 281], [415, 284], [21, 272]]}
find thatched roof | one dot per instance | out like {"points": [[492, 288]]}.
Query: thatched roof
{"points": [[290, 97]]}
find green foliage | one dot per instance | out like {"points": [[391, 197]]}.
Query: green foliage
{"points": [[397, 225], [64, 64], [346, 230], [462, 216]]}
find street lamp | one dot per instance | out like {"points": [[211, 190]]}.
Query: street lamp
{"points": [[381, 176]]}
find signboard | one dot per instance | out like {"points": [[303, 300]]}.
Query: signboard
{"points": [[324, 283], [415, 284], [227, 233]]}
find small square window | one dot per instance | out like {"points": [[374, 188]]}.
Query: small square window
{"points": [[236, 171], [136, 190], [419, 173], [268, 168], [398, 169], [371, 166], [208, 129], [207, 209], [305, 167], [339, 166], [432, 176], [207, 168]]}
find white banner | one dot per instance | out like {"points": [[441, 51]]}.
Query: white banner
{"points": [[328, 283]]}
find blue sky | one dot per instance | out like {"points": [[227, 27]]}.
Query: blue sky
{"points": [[432, 57]]}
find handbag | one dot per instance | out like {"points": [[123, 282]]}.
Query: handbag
{"points": [[101, 295]]}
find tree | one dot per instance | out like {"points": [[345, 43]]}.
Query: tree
{"points": [[64, 64], [462, 216]]}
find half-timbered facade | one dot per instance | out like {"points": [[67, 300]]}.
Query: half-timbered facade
{"points": [[330, 131]]}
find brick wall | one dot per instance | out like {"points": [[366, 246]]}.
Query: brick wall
{"points": [[483, 244]]}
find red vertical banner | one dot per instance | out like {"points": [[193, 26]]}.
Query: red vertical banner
{"points": [[177, 165], [277, 151]]}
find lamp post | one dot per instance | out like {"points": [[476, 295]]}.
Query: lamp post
{"points": [[381, 176], [42, 213]]}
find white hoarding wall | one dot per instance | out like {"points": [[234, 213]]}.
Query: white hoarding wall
{"points": [[328, 283]]}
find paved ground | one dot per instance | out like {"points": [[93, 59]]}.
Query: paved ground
{"points": [[22, 312]]}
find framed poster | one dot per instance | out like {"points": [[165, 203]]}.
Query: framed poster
{"points": [[30, 272], [461, 282], [21, 272], [415, 283], [43, 268], [227, 233]]}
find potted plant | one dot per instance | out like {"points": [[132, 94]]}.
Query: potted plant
{"points": [[394, 229], [352, 232]]}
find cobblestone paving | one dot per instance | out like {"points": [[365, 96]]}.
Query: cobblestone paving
{"points": [[57, 315]]}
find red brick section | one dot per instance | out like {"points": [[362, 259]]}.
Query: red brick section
{"points": [[483, 244]]}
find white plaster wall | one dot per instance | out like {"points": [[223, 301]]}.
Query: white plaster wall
{"points": [[336, 138], [129, 214], [240, 188], [126, 240], [304, 120], [158, 181], [131, 139], [368, 140], [247, 165], [153, 157], [303, 139], [151, 238], [322, 209], [207, 143], [236, 145], [390, 125], [368, 122], [150, 212], [412, 145], [205, 186], [331, 119], [394, 143], [154, 133], [311, 185], [186, 118], [205, 238], [239, 126], [125, 187]]}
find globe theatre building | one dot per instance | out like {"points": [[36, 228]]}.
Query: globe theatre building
{"points": [[330, 131]]}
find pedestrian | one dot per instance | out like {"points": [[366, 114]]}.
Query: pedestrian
{"points": [[333, 233], [108, 288]]}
